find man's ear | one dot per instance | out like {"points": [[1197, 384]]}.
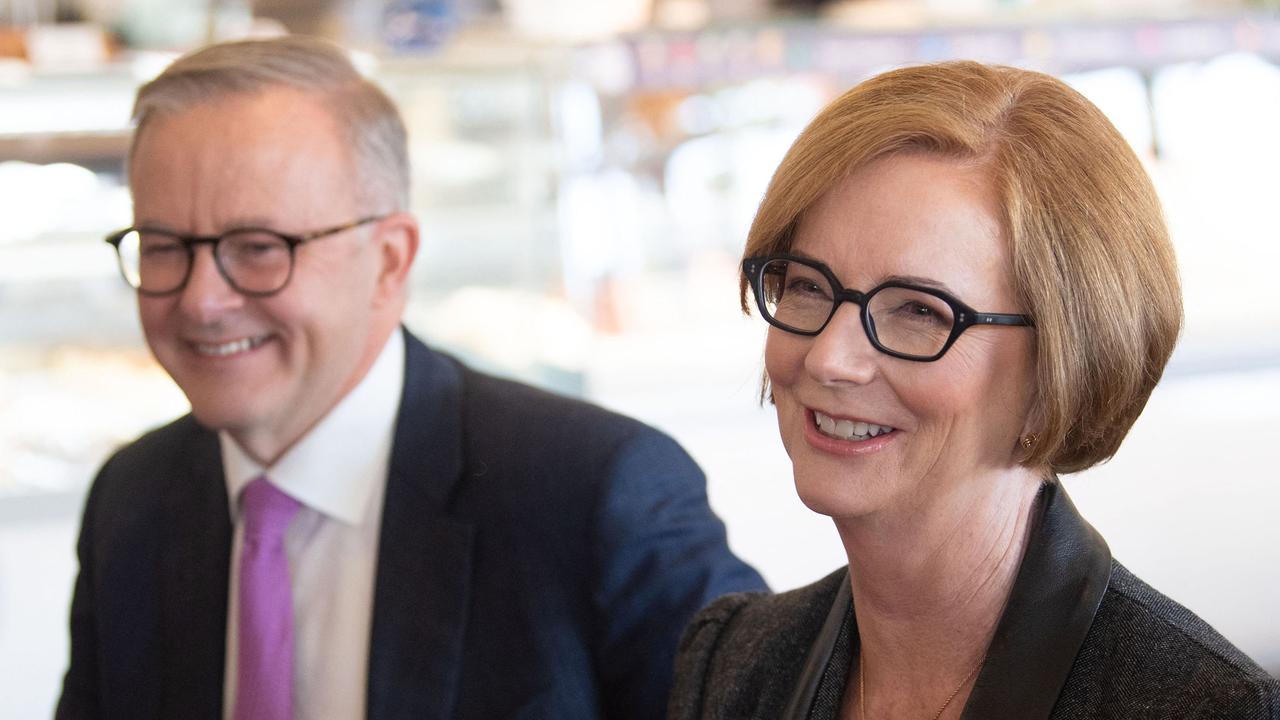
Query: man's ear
{"points": [[396, 236]]}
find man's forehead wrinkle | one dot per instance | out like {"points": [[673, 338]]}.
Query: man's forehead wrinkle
{"points": [[236, 185], [193, 203]]}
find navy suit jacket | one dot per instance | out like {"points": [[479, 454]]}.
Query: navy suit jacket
{"points": [[539, 558]]}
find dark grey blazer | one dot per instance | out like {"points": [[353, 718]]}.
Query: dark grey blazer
{"points": [[1081, 637]]}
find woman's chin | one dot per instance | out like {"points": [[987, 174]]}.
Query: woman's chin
{"points": [[822, 496]]}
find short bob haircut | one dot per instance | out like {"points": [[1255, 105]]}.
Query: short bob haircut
{"points": [[1091, 259], [366, 117]]}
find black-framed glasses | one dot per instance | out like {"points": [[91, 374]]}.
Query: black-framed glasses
{"points": [[907, 321], [254, 261]]}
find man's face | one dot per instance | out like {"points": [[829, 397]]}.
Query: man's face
{"points": [[265, 369]]}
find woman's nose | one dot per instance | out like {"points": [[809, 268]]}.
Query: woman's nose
{"points": [[842, 352]]}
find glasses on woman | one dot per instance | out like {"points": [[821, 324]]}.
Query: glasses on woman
{"points": [[253, 261], [907, 321]]}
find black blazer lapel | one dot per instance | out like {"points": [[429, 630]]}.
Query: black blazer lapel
{"points": [[1064, 574], [423, 583], [822, 659], [194, 568]]}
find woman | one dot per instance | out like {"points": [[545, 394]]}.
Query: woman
{"points": [[971, 290]]}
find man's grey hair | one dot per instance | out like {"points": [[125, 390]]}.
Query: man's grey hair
{"points": [[362, 112]]}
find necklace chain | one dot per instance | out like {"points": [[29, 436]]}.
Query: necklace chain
{"points": [[862, 695]]}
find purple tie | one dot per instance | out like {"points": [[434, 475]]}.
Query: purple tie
{"points": [[264, 667]]}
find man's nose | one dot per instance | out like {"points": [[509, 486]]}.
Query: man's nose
{"points": [[207, 294], [842, 353]]}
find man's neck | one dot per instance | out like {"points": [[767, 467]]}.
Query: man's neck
{"points": [[267, 445]]}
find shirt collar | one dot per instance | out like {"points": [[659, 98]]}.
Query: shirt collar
{"points": [[336, 466]]}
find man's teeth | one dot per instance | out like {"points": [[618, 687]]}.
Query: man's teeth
{"points": [[229, 348], [849, 429]]}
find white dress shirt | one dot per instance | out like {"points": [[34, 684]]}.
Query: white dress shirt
{"points": [[338, 471]]}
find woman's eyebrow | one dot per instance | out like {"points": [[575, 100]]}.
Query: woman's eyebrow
{"points": [[906, 279], [918, 280]]}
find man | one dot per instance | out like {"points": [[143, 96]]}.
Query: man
{"points": [[350, 524]]}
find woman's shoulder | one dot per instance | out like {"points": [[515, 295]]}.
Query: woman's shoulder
{"points": [[1145, 655], [740, 655], [745, 616]]}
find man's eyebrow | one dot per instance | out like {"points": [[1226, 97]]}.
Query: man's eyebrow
{"points": [[252, 221], [260, 222]]}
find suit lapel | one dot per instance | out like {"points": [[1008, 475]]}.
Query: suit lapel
{"points": [[194, 566], [423, 584]]}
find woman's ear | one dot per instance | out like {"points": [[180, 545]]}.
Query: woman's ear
{"points": [[1034, 421], [1030, 437]]}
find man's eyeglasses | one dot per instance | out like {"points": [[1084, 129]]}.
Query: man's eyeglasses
{"points": [[254, 261], [907, 321]]}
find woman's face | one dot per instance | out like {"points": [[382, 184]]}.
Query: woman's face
{"points": [[930, 221]]}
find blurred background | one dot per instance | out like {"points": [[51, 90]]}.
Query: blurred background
{"points": [[585, 173]]}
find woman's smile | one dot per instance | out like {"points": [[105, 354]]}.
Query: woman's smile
{"points": [[846, 436]]}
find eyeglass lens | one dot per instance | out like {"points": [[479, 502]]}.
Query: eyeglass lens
{"points": [[254, 261], [902, 320]]}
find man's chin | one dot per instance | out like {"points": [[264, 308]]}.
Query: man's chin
{"points": [[218, 418]]}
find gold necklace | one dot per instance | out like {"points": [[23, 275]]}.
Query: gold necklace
{"points": [[862, 694]]}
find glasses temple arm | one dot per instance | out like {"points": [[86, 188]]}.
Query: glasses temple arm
{"points": [[1000, 319]]}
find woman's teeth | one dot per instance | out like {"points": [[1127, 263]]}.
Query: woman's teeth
{"points": [[848, 429]]}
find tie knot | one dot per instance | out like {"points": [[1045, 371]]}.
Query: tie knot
{"points": [[267, 510]]}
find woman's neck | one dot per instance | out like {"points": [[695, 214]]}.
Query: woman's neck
{"points": [[929, 584]]}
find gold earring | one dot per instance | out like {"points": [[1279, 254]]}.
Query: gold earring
{"points": [[1029, 440]]}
